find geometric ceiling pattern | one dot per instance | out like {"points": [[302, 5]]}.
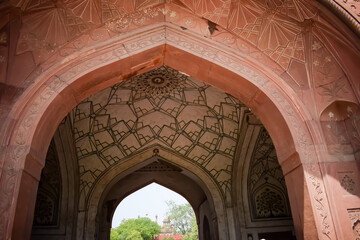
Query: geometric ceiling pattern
{"points": [[273, 27], [161, 107]]}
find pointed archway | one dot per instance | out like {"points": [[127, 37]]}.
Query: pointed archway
{"points": [[160, 171], [56, 92]]}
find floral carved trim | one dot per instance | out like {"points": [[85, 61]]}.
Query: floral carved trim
{"points": [[354, 215], [348, 10]]}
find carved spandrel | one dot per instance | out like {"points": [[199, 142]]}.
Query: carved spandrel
{"points": [[266, 184]]}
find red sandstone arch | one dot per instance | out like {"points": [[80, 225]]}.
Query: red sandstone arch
{"points": [[34, 118], [188, 180]]}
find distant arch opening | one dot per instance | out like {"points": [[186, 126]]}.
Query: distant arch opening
{"points": [[140, 182], [168, 209]]}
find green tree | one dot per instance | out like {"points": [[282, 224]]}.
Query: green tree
{"points": [[183, 218], [193, 233], [136, 229], [130, 235], [114, 235]]}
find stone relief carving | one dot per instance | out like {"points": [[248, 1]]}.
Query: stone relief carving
{"points": [[312, 170], [159, 166], [354, 215], [340, 126], [356, 229], [158, 83], [20, 149], [329, 78], [124, 21], [353, 128], [266, 184], [215, 11], [348, 183], [350, 9], [336, 135], [48, 196], [270, 203], [274, 28]]}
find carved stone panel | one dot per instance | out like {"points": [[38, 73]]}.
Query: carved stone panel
{"points": [[340, 124], [266, 184], [48, 196], [270, 203], [348, 182], [354, 215]]}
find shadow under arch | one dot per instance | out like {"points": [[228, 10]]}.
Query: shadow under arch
{"points": [[43, 106], [197, 188], [206, 228]]}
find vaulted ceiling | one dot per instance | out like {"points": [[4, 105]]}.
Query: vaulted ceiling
{"points": [[165, 108]]}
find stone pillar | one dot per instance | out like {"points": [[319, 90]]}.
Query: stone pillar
{"points": [[301, 209], [231, 223], [207, 226], [342, 182], [26, 198], [340, 123]]}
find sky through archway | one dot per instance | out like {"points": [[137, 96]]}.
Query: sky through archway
{"points": [[148, 202]]}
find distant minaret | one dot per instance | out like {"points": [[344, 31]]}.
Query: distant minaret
{"points": [[156, 218]]}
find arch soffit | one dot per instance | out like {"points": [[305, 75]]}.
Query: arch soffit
{"points": [[190, 187], [160, 180], [122, 169], [127, 175]]}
